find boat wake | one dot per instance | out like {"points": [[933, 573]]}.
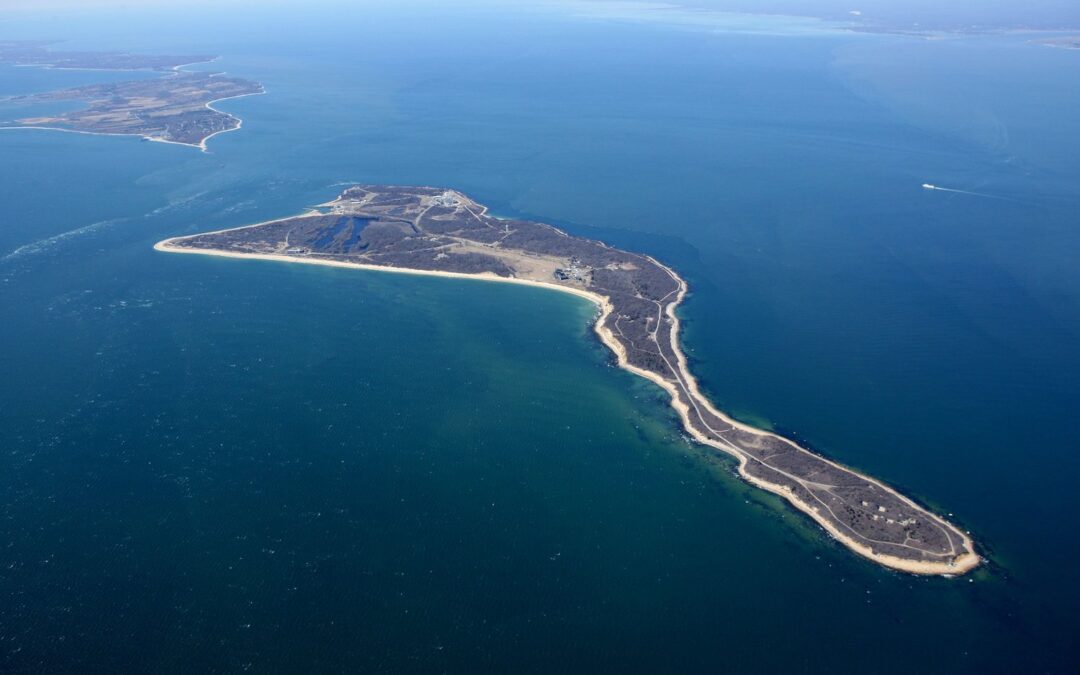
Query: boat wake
{"points": [[929, 186]]}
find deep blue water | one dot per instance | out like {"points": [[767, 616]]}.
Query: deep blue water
{"points": [[213, 464]]}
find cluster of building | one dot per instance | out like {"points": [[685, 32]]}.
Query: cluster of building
{"points": [[448, 198], [572, 273]]}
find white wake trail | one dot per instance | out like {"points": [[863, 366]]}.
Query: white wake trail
{"points": [[928, 186]]}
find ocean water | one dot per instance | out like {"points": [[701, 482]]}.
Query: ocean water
{"points": [[218, 465]]}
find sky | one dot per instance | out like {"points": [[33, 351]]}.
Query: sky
{"points": [[897, 14], [53, 5]]}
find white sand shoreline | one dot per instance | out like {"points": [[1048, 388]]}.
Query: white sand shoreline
{"points": [[486, 276], [962, 564], [239, 121]]}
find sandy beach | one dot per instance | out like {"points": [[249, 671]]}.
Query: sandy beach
{"points": [[239, 121]]}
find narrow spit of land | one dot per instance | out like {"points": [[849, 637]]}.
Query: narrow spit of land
{"points": [[442, 232], [174, 108]]}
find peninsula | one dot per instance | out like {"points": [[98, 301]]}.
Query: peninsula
{"points": [[174, 108], [40, 54], [442, 232]]}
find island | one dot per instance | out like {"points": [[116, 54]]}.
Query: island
{"points": [[434, 231], [174, 108]]}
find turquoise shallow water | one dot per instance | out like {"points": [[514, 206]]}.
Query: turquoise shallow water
{"points": [[213, 464]]}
